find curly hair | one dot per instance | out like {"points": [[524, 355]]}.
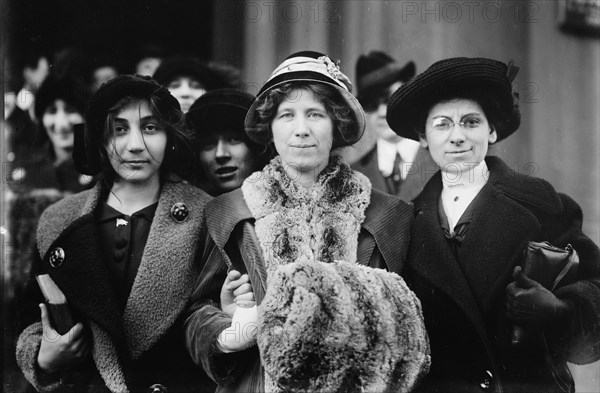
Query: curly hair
{"points": [[178, 153], [344, 119]]}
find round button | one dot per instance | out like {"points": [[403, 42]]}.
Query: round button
{"points": [[486, 383], [179, 212], [57, 257], [157, 388]]}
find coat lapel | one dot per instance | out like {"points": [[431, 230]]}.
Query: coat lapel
{"points": [[82, 276], [167, 271], [389, 221], [223, 215], [491, 246], [431, 255]]}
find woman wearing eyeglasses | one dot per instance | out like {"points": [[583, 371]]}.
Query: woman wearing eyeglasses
{"points": [[471, 223]]}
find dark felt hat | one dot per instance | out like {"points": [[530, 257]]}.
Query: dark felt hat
{"points": [[377, 70], [220, 109], [67, 89], [178, 66], [136, 86], [309, 66], [473, 78]]}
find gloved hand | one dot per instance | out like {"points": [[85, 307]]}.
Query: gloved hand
{"points": [[236, 290], [528, 303], [242, 332]]}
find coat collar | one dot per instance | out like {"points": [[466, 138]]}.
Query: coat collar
{"points": [[223, 214], [528, 190], [165, 277], [389, 221]]}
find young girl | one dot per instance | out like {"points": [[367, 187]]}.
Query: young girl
{"points": [[124, 254]]}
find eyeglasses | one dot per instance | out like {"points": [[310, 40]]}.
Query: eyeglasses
{"points": [[443, 124]]}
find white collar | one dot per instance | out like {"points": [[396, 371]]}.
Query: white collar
{"points": [[471, 180], [386, 155]]}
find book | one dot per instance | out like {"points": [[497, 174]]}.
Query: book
{"points": [[59, 312]]}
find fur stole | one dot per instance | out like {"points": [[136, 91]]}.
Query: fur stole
{"points": [[320, 224]]}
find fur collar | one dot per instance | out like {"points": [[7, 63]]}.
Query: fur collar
{"points": [[294, 223]]}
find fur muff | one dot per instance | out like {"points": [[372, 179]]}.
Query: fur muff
{"points": [[341, 327]]}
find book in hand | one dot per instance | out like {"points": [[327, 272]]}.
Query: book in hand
{"points": [[60, 315]]}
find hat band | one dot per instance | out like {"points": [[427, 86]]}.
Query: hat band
{"points": [[300, 64]]}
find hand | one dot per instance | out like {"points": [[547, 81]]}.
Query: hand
{"points": [[58, 352], [529, 303], [242, 332], [236, 290]]}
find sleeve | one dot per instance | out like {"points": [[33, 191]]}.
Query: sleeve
{"points": [[205, 321], [29, 341], [582, 337]]}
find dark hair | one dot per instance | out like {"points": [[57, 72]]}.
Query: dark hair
{"points": [[344, 120], [490, 106], [178, 152]]}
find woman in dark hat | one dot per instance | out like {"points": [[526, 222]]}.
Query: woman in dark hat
{"points": [[472, 221], [320, 250], [59, 108], [187, 78], [39, 179], [123, 253], [225, 153]]}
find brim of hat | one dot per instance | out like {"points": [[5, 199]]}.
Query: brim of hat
{"points": [[453, 80], [311, 77], [230, 116], [390, 74]]}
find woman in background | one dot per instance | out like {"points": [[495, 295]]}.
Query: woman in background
{"points": [[226, 155], [188, 78]]}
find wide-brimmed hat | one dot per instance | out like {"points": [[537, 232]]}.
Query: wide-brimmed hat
{"points": [[474, 78], [218, 110], [377, 70], [314, 67], [136, 86]]}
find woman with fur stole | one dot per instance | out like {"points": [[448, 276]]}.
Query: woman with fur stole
{"points": [[321, 257]]}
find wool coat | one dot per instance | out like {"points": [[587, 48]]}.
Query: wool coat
{"points": [[142, 344], [463, 294], [382, 242]]}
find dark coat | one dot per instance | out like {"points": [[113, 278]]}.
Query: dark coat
{"points": [[421, 171], [141, 345], [464, 302], [382, 242]]}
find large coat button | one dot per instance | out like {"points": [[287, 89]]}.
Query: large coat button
{"points": [[486, 383], [157, 388], [57, 257], [179, 212]]}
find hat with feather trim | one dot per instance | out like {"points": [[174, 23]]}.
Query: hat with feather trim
{"points": [[308, 66]]}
